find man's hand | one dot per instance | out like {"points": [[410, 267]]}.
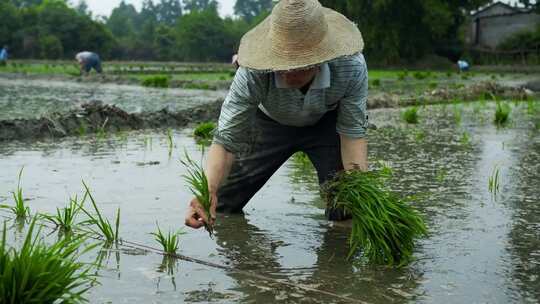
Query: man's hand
{"points": [[196, 217]]}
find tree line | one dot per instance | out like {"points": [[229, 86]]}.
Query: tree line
{"points": [[192, 30]]}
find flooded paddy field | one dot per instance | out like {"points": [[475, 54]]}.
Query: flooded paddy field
{"points": [[483, 247]]}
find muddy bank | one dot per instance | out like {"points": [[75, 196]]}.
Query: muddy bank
{"points": [[96, 117], [479, 91]]}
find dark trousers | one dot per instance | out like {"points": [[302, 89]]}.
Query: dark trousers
{"points": [[272, 145]]}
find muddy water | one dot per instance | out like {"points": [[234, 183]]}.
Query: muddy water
{"points": [[481, 248], [40, 97]]}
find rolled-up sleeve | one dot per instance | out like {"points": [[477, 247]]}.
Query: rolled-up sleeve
{"points": [[352, 119], [238, 110]]}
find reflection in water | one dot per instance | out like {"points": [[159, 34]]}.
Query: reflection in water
{"points": [[168, 265]]}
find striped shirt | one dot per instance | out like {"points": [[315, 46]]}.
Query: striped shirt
{"points": [[341, 84]]}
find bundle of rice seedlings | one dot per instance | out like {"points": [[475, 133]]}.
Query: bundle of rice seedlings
{"points": [[410, 115], [383, 225], [204, 130], [502, 114], [104, 229], [198, 184], [40, 273]]}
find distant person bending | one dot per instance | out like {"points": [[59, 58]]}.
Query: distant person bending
{"points": [[88, 61], [4, 55], [463, 65]]}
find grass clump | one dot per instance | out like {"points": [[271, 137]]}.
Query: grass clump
{"points": [[410, 115], [40, 273], [502, 114], [20, 210], [65, 218], [170, 242], [420, 76], [104, 227], [383, 225], [198, 184], [157, 81], [204, 130]]}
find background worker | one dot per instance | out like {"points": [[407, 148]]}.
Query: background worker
{"points": [[88, 61]]}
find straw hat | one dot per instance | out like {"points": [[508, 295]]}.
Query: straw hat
{"points": [[298, 34]]}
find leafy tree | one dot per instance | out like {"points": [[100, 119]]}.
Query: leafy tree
{"points": [[249, 9], [200, 5], [51, 47], [122, 20], [9, 22], [202, 37], [168, 11]]}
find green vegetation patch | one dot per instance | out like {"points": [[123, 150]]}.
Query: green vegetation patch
{"points": [[156, 81], [410, 115], [502, 114], [384, 227], [40, 273]]}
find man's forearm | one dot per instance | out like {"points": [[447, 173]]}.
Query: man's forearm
{"points": [[354, 153], [218, 166]]}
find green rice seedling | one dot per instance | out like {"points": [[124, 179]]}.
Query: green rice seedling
{"points": [[494, 181], [20, 209], [65, 219], [410, 115], [301, 160], [376, 82], [457, 114], [465, 139], [204, 130], [502, 114], [104, 226], [198, 184], [383, 225], [169, 242], [419, 75], [157, 81], [441, 175], [449, 74], [419, 135], [41, 273]]}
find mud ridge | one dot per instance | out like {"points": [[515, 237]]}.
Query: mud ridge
{"points": [[480, 91], [96, 117]]}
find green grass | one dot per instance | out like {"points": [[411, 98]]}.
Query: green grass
{"points": [[170, 242], [204, 130], [20, 209], [198, 185], [502, 114], [384, 227], [156, 81], [40, 273], [410, 115], [65, 218], [105, 229]]}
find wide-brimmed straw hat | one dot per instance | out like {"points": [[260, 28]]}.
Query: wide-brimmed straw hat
{"points": [[298, 34]]}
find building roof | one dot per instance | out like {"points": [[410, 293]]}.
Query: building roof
{"points": [[512, 10]]}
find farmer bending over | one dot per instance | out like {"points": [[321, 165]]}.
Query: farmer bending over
{"points": [[302, 86], [4, 55], [88, 61]]}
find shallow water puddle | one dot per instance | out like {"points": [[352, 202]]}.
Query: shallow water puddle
{"points": [[481, 248]]}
